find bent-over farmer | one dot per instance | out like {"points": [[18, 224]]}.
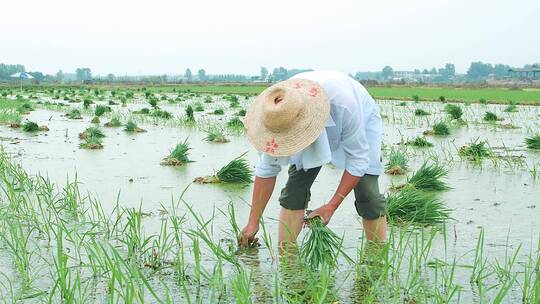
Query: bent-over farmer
{"points": [[305, 122]]}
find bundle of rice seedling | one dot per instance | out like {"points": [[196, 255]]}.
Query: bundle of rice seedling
{"points": [[190, 117], [511, 109], [30, 126], [92, 143], [142, 111], [216, 134], [428, 178], [320, 245], [74, 114], [416, 98], [241, 113], [161, 114], [402, 104], [219, 112], [100, 110], [440, 128], [235, 123], [91, 132], [417, 207], [25, 108], [482, 101], [421, 112], [420, 142], [236, 171], [87, 102], [455, 111], [475, 150], [114, 122], [442, 98], [132, 127], [178, 156], [397, 163], [533, 142], [490, 116], [208, 99]]}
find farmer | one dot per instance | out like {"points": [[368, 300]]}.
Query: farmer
{"points": [[305, 122]]}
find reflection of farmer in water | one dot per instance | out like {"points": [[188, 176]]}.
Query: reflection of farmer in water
{"points": [[307, 121]]}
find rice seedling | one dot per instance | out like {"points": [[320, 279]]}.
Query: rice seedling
{"points": [[236, 171], [416, 207], [74, 114], [533, 142], [190, 117], [234, 103], [440, 128], [419, 141], [91, 132], [402, 104], [178, 156], [219, 112], [482, 101], [87, 102], [512, 108], [216, 134], [475, 150], [490, 116], [416, 98], [142, 111], [208, 99], [25, 108], [454, 111], [421, 112], [131, 127], [320, 246], [91, 143], [161, 114], [199, 108], [442, 99], [114, 122], [429, 178], [235, 123], [397, 163], [241, 113], [30, 126], [153, 103]]}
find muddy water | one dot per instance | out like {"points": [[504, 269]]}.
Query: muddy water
{"points": [[504, 199]]}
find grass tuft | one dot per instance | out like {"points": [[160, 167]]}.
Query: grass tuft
{"points": [[475, 150], [397, 163], [236, 171], [429, 178], [533, 142], [30, 126], [421, 112], [178, 156], [420, 142], [416, 207], [454, 111], [490, 116]]}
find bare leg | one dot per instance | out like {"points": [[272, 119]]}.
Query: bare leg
{"points": [[290, 225], [375, 229]]}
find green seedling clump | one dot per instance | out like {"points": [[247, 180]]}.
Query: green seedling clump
{"points": [[241, 113], [161, 114], [131, 127], [100, 110], [74, 114], [429, 178], [490, 116], [236, 171], [219, 112], [190, 117], [440, 128], [235, 123], [455, 111], [533, 142], [91, 132], [397, 163], [91, 143], [421, 112], [216, 135], [416, 98], [420, 142], [114, 122], [178, 156], [414, 206], [25, 108], [30, 126], [199, 108], [475, 150]]}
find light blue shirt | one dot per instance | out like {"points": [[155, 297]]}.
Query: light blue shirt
{"points": [[352, 137]]}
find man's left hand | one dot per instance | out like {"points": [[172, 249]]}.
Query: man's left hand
{"points": [[325, 212]]}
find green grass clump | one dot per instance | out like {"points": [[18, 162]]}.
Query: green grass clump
{"points": [[234, 103], [397, 163], [161, 114], [421, 112], [87, 102], [416, 207], [416, 98], [219, 112], [439, 128], [74, 114], [475, 150], [30, 126], [178, 156], [25, 108], [511, 108], [429, 178], [455, 111], [91, 132], [235, 123], [143, 111], [533, 142], [490, 116], [442, 99], [100, 110], [91, 143], [482, 101], [241, 113], [402, 104], [320, 245], [216, 134], [420, 142], [131, 127], [236, 171], [208, 99], [190, 117], [114, 122], [199, 108]]}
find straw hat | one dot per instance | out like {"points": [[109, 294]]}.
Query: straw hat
{"points": [[287, 117]]}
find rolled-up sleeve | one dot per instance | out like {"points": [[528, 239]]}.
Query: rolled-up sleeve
{"points": [[268, 166], [355, 143]]}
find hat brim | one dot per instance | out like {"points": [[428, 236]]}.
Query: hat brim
{"points": [[303, 132]]}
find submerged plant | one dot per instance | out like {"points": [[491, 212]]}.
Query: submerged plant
{"points": [[490, 116], [178, 156], [236, 171], [320, 246], [421, 112], [475, 150], [91, 132], [419, 141], [533, 142], [397, 163], [455, 111], [132, 127], [429, 178], [417, 207]]}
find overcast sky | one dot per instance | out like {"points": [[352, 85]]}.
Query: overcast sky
{"points": [[166, 36]]}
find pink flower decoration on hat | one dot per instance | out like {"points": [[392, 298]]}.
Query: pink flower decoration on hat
{"points": [[314, 91], [298, 85], [271, 146]]}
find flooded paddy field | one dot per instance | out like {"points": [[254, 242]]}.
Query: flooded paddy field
{"points": [[114, 224]]}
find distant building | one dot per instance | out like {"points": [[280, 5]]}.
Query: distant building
{"points": [[532, 72]]}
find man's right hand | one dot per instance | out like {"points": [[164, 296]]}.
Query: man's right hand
{"points": [[247, 236]]}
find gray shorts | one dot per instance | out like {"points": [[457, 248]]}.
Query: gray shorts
{"points": [[369, 202]]}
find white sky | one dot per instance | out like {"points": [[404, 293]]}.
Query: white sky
{"points": [[235, 36]]}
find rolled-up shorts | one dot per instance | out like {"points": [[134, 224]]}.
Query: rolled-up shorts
{"points": [[369, 202]]}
